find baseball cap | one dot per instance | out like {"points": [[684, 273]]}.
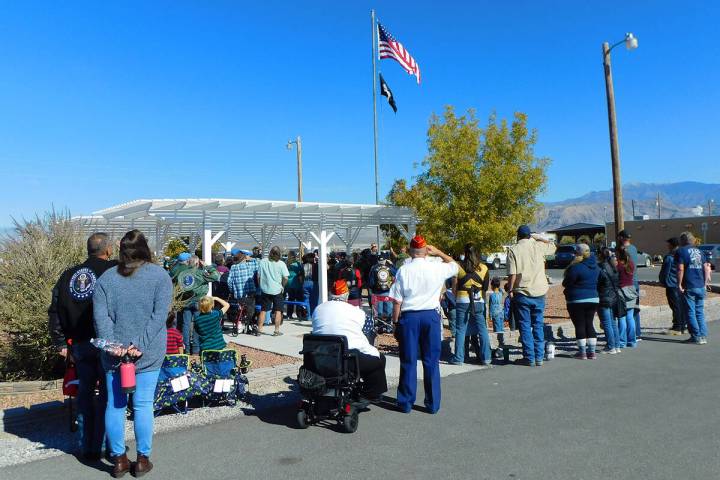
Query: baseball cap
{"points": [[184, 257], [524, 231], [624, 234]]}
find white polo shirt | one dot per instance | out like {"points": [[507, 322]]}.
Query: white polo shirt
{"points": [[418, 284], [340, 318]]}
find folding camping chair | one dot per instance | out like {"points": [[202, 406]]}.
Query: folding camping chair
{"points": [[176, 384], [222, 381]]}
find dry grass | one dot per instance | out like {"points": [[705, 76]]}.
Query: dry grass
{"points": [[31, 260]]}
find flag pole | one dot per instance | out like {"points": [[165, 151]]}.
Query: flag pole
{"points": [[375, 129]]}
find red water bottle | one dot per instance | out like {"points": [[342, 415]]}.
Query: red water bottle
{"points": [[127, 374]]}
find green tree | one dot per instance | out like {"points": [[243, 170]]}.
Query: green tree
{"points": [[32, 258], [477, 184], [175, 247]]}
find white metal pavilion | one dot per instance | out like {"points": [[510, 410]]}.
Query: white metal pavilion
{"points": [[259, 221]]}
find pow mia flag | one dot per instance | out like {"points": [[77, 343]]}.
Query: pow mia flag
{"points": [[386, 92]]}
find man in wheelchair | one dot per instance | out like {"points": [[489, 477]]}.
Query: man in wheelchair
{"points": [[337, 317]]}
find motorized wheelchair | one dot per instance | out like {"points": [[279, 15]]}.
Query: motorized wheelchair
{"points": [[330, 383]]}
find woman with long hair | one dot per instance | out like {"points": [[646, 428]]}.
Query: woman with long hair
{"points": [[628, 294], [130, 306], [610, 308], [581, 296], [472, 284]]}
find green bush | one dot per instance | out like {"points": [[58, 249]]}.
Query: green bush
{"points": [[32, 258]]}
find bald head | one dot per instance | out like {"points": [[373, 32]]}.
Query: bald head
{"points": [[98, 245]]}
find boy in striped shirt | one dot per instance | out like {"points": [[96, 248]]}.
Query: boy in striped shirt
{"points": [[208, 324]]}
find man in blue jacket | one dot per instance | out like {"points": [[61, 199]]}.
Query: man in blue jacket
{"points": [[668, 279]]}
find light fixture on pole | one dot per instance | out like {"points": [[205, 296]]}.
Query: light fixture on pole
{"points": [[631, 43], [298, 145]]}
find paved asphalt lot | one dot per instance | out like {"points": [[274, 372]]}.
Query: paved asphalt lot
{"points": [[649, 413]]}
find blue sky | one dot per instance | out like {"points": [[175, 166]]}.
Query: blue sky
{"points": [[105, 102]]}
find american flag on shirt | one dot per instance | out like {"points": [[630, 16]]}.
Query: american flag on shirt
{"points": [[389, 47]]}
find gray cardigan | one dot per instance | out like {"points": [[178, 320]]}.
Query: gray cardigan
{"points": [[134, 310]]}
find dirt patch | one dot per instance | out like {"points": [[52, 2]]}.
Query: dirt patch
{"points": [[28, 399], [261, 358]]}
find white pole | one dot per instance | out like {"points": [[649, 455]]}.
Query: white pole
{"points": [[322, 240], [208, 242]]}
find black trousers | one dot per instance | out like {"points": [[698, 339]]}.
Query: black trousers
{"points": [[582, 315], [675, 303], [372, 372]]}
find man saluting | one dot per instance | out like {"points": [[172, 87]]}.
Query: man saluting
{"points": [[416, 316]]}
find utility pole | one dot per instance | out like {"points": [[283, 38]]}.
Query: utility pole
{"points": [[710, 205], [614, 148], [633, 208], [657, 203]]}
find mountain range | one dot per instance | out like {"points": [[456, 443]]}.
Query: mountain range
{"points": [[680, 199]]}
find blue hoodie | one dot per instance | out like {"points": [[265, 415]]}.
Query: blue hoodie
{"points": [[581, 281]]}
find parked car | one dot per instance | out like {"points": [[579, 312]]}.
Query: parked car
{"points": [[712, 253], [643, 259], [564, 255], [497, 260]]}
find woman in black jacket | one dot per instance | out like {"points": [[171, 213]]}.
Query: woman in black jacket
{"points": [[610, 307]]}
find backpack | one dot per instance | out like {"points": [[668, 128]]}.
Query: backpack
{"points": [[383, 278], [474, 289]]}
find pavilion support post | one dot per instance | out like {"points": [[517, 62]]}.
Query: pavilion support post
{"points": [[322, 238], [228, 246], [208, 241]]}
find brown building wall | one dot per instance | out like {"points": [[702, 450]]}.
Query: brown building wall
{"points": [[649, 235]]}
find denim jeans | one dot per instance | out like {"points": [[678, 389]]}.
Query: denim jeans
{"points": [[465, 318], [636, 313], [694, 302], [529, 315], [185, 325], [607, 318], [626, 330], [90, 406], [142, 411], [384, 309], [310, 294], [675, 302]]}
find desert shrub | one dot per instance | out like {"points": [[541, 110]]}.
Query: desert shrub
{"points": [[32, 258]]}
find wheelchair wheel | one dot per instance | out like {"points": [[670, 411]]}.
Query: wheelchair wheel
{"points": [[302, 419], [350, 422]]}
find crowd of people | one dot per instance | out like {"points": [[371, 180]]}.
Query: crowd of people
{"points": [[130, 301]]}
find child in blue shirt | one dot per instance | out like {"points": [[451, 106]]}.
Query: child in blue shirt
{"points": [[496, 309]]}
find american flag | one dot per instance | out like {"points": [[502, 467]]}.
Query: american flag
{"points": [[389, 47]]}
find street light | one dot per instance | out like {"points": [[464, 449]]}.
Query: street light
{"points": [[631, 43], [298, 145]]}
